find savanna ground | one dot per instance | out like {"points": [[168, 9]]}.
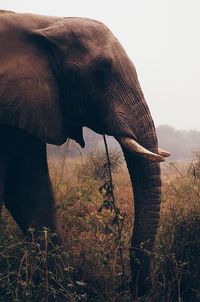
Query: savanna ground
{"points": [[97, 238]]}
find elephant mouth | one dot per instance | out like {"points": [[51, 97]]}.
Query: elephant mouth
{"points": [[128, 142], [134, 147]]}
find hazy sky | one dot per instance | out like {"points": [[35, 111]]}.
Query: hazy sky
{"points": [[162, 37]]}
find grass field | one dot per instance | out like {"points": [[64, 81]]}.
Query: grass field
{"points": [[90, 268]]}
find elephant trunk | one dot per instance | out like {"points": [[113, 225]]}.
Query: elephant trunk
{"points": [[146, 182]]}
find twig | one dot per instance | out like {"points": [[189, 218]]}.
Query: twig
{"points": [[62, 166], [119, 229], [175, 167], [46, 264]]}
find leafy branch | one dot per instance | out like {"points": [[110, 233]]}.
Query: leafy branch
{"points": [[109, 203]]}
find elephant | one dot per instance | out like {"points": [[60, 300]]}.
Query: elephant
{"points": [[58, 75]]}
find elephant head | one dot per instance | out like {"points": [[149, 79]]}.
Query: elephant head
{"points": [[61, 74]]}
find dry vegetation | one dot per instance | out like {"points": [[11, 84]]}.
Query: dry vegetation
{"points": [[93, 266]]}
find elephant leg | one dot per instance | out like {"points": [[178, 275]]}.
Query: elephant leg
{"points": [[4, 159], [28, 191], [2, 177]]}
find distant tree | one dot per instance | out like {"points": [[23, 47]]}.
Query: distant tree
{"points": [[180, 143]]}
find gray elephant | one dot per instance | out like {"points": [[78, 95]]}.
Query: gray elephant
{"points": [[58, 75]]}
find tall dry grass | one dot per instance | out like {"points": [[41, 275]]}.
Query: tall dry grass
{"points": [[89, 268]]}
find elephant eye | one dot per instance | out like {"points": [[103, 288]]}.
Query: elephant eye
{"points": [[102, 73], [72, 75]]}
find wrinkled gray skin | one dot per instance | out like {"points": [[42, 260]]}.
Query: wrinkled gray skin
{"points": [[56, 76]]}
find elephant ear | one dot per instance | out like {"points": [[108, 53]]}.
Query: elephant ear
{"points": [[56, 42], [30, 96]]}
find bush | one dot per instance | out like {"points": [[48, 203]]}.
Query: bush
{"points": [[194, 169], [177, 260], [96, 164]]}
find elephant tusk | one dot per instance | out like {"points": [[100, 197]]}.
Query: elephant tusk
{"points": [[134, 147], [163, 152]]}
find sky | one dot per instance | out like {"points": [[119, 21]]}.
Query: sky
{"points": [[162, 38]]}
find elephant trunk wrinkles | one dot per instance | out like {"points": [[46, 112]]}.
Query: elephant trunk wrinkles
{"points": [[145, 177], [146, 182]]}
